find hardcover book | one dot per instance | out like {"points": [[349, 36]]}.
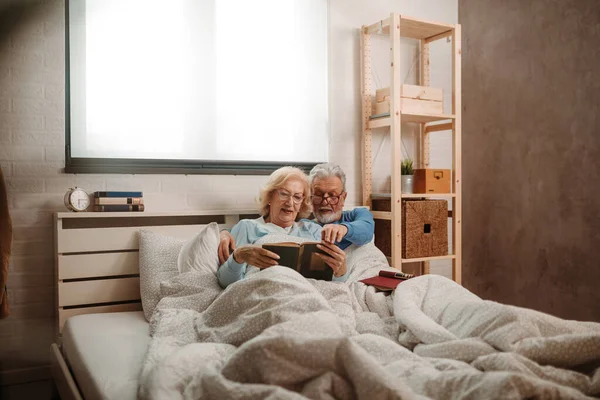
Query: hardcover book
{"points": [[118, 200], [387, 280], [302, 258], [118, 194], [118, 207]]}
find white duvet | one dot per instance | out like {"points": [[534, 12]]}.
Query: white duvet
{"points": [[278, 335]]}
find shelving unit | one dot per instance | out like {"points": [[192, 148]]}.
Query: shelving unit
{"points": [[395, 27]]}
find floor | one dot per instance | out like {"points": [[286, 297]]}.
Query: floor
{"points": [[40, 390]]}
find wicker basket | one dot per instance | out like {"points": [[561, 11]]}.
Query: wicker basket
{"points": [[424, 228]]}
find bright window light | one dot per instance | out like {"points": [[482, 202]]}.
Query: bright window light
{"points": [[227, 80]]}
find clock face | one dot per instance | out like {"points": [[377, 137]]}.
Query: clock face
{"points": [[79, 200]]}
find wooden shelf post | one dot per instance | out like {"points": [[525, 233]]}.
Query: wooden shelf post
{"points": [[456, 156], [424, 134], [396, 140], [366, 151]]}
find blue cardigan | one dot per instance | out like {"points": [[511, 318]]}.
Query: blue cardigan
{"points": [[360, 224]]}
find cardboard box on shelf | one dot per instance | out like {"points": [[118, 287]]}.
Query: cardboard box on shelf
{"points": [[432, 180]]}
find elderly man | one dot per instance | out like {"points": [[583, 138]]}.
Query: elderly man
{"points": [[328, 187]]}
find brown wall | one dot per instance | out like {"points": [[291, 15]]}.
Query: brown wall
{"points": [[531, 153]]}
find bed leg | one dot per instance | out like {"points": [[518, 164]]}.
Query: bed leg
{"points": [[62, 376]]}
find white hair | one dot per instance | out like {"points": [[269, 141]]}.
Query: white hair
{"points": [[276, 180], [327, 170]]}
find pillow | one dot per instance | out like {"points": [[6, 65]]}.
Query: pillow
{"points": [[200, 253], [158, 262]]}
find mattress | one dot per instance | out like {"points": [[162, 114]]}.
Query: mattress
{"points": [[105, 353]]}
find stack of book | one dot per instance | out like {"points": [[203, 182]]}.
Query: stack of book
{"points": [[118, 201]]}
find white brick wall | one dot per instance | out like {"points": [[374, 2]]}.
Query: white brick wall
{"points": [[22, 90], [32, 156], [4, 106], [24, 185], [21, 153], [40, 138]]}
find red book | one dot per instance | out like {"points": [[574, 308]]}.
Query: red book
{"points": [[395, 274], [387, 280]]}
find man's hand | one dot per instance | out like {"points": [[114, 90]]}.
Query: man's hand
{"points": [[332, 233], [226, 245], [336, 258], [257, 256]]}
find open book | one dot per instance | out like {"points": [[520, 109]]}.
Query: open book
{"points": [[302, 258]]}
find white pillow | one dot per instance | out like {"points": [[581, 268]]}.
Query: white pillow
{"points": [[200, 254], [158, 262]]}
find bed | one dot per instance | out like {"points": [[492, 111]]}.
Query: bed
{"points": [[278, 335], [105, 352], [98, 296]]}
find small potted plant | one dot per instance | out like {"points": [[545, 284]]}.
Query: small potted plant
{"points": [[407, 175]]}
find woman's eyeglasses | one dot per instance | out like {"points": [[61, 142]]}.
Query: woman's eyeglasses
{"points": [[332, 200], [285, 196]]}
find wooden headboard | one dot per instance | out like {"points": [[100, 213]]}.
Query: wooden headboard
{"points": [[97, 255]]}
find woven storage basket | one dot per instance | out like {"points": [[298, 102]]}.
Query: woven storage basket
{"points": [[424, 228]]}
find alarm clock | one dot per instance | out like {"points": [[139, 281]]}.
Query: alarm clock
{"points": [[77, 199]]}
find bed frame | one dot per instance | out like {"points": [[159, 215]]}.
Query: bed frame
{"points": [[96, 265]]}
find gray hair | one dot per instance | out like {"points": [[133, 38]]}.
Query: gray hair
{"points": [[327, 170]]}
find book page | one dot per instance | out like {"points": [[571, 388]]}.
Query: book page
{"points": [[312, 265]]}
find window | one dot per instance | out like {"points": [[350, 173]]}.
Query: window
{"points": [[204, 86]]}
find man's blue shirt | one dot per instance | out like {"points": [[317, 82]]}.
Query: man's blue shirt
{"points": [[360, 224]]}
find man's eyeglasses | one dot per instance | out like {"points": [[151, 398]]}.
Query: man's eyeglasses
{"points": [[333, 200], [284, 195]]}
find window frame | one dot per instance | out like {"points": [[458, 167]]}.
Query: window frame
{"points": [[88, 165]]}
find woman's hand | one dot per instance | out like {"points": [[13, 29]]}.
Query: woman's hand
{"points": [[257, 256], [333, 232], [226, 244], [336, 258]]}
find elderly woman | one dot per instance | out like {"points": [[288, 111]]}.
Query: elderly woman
{"points": [[284, 200]]}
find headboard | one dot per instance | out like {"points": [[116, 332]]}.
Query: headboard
{"points": [[97, 255]]}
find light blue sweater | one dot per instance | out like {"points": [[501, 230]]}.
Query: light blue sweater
{"points": [[248, 231]]}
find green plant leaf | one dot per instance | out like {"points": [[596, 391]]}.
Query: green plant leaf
{"points": [[406, 167]]}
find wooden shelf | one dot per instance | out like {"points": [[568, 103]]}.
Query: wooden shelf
{"points": [[376, 196], [141, 214], [412, 28], [426, 195], [379, 122], [422, 259], [427, 118], [383, 120], [387, 215]]}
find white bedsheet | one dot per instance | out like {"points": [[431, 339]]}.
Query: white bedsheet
{"points": [[105, 353]]}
